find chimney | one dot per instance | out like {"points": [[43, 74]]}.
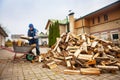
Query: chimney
{"points": [[71, 22]]}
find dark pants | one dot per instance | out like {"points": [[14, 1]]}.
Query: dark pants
{"points": [[35, 41]]}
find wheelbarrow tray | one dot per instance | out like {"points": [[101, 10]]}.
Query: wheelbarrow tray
{"points": [[22, 49]]}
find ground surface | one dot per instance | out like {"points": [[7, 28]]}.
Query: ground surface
{"points": [[25, 70]]}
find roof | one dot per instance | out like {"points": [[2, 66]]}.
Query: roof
{"points": [[61, 22], [3, 32], [111, 6], [42, 35]]}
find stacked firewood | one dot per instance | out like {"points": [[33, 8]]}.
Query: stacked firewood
{"points": [[83, 53]]}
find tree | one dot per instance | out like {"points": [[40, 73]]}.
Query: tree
{"points": [[54, 32], [50, 36]]}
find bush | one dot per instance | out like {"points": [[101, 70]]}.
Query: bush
{"points": [[8, 43]]}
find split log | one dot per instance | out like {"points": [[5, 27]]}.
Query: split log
{"points": [[52, 65], [96, 55], [109, 47], [67, 38], [94, 44], [100, 48], [68, 63], [26, 37], [72, 51], [102, 58], [58, 62], [71, 71], [58, 50], [60, 58], [88, 41], [108, 67], [83, 37], [84, 46], [74, 36], [108, 63], [72, 47], [95, 71], [85, 57], [80, 63], [58, 41], [90, 62], [77, 52], [69, 57], [118, 64]]}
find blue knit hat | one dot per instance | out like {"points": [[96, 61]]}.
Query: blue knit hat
{"points": [[31, 26]]}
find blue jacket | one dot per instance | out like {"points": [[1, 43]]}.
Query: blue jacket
{"points": [[32, 33]]}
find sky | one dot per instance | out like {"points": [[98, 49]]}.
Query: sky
{"points": [[16, 15]]}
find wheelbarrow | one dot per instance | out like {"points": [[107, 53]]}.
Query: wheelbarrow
{"points": [[25, 50]]}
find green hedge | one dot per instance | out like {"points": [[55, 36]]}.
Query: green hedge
{"points": [[54, 32]]}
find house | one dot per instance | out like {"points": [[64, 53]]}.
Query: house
{"points": [[43, 39], [103, 23], [3, 36], [16, 36], [62, 25]]}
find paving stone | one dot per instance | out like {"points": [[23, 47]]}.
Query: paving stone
{"points": [[10, 70], [52, 77]]}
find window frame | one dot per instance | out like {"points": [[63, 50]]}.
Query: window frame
{"points": [[98, 19], [105, 17]]}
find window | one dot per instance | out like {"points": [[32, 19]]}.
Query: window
{"points": [[115, 36], [104, 36], [105, 17], [97, 35], [93, 21], [98, 19]]}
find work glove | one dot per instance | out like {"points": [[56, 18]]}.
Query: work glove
{"points": [[35, 37]]}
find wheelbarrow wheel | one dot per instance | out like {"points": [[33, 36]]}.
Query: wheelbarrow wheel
{"points": [[30, 57]]}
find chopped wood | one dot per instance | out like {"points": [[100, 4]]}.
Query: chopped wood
{"points": [[84, 46], [102, 58], [72, 47], [58, 62], [94, 44], [109, 47], [77, 52], [52, 65], [26, 37], [67, 38], [68, 63], [57, 44], [108, 67], [80, 63], [71, 71], [83, 37], [118, 64], [90, 62], [58, 50], [72, 51], [96, 55], [88, 41], [69, 57], [85, 57], [60, 58], [95, 71], [84, 51], [74, 36]]}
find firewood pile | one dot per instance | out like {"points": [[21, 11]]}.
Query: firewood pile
{"points": [[83, 54]]}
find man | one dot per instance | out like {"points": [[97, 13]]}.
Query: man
{"points": [[32, 32]]}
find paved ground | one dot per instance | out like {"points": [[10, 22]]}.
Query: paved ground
{"points": [[24, 70]]}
